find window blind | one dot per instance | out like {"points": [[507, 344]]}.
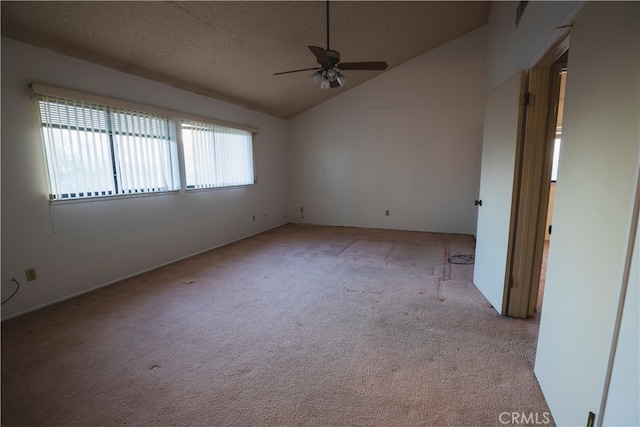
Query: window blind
{"points": [[217, 156], [53, 91], [97, 150]]}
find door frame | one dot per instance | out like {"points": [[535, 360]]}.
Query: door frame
{"points": [[531, 183]]}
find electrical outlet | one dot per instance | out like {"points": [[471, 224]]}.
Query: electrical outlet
{"points": [[386, 213], [31, 274]]}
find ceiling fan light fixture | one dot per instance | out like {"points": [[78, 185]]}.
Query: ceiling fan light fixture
{"points": [[325, 84], [341, 78], [315, 77], [331, 75]]}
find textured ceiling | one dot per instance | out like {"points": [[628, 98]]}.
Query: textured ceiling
{"points": [[229, 50]]}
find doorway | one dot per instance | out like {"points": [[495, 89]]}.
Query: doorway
{"points": [[528, 230], [561, 69], [517, 152]]}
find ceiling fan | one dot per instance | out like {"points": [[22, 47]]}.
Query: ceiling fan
{"points": [[326, 74]]}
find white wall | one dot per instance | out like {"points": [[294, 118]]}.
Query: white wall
{"points": [[79, 246], [512, 49], [601, 144], [593, 208], [407, 141]]}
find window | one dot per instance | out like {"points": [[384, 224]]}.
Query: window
{"points": [[556, 154], [216, 156], [99, 147], [95, 150]]}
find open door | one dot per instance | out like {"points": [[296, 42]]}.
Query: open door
{"points": [[503, 132]]}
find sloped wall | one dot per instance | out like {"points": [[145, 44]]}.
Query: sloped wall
{"points": [[407, 141]]}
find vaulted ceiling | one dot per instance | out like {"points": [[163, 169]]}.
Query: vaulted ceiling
{"points": [[229, 50]]}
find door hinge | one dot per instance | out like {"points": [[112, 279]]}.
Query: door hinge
{"points": [[591, 419], [511, 281], [527, 98]]}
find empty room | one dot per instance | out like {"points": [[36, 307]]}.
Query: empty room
{"points": [[236, 213]]}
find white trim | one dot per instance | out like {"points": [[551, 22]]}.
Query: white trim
{"points": [[42, 89]]}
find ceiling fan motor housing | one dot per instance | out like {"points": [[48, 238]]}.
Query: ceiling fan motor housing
{"points": [[334, 58]]}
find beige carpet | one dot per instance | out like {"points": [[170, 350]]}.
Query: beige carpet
{"points": [[299, 326]]}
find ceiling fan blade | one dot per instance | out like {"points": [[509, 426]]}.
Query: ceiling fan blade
{"points": [[320, 54], [378, 65], [297, 71]]}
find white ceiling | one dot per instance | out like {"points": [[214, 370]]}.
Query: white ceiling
{"points": [[229, 50]]}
